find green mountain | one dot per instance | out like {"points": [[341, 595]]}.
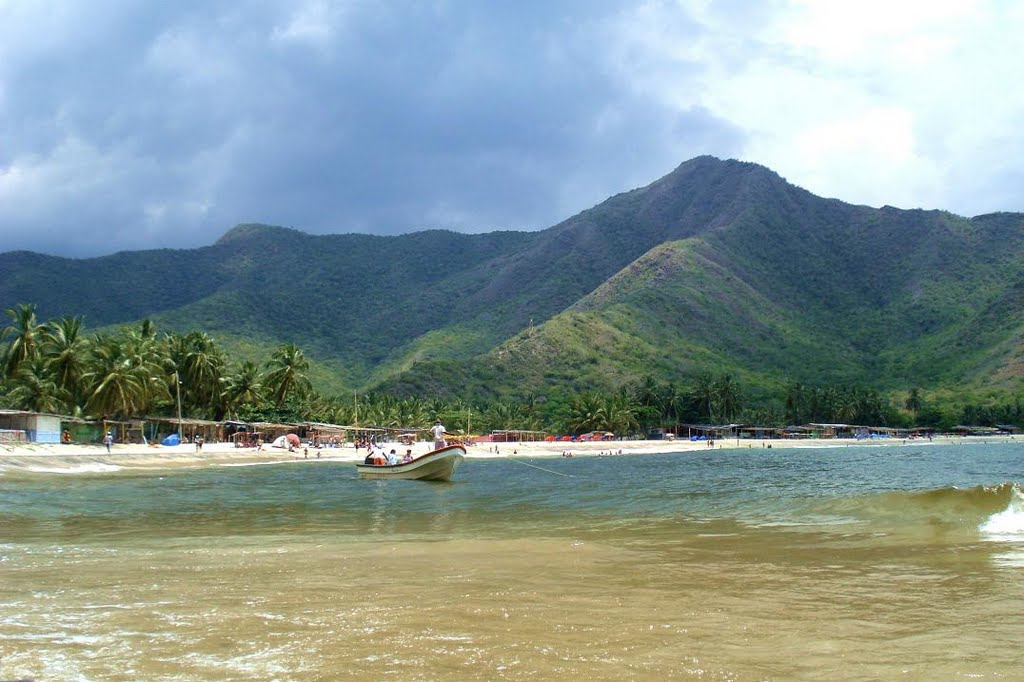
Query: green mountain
{"points": [[720, 266]]}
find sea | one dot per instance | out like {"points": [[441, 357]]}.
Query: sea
{"points": [[895, 562]]}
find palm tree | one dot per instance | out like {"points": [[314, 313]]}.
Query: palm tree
{"points": [[914, 403], [34, 388], [676, 403], [727, 397], [505, 416], [586, 412], [25, 335], [796, 397], [338, 410], [118, 387], [149, 362], [242, 387], [704, 394], [652, 401], [412, 411], [621, 413], [288, 366], [65, 349], [200, 371]]}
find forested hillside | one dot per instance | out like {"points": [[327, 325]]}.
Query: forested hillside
{"points": [[720, 267]]}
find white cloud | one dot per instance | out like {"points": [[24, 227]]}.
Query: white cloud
{"points": [[73, 169], [311, 23], [874, 101], [843, 32]]}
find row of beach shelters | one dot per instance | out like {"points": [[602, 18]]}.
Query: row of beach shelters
{"points": [[754, 432], [23, 426], [718, 432], [243, 434], [706, 431], [855, 431], [732, 431], [840, 431], [511, 436], [997, 430], [316, 433]]}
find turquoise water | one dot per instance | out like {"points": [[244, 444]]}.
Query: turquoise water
{"points": [[724, 564]]}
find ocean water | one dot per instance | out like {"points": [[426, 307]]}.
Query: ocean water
{"points": [[855, 563]]}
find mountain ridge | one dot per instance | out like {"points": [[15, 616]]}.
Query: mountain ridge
{"points": [[717, 266]]}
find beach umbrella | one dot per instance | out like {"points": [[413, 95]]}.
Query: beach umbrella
{"points": [[293, 439]]}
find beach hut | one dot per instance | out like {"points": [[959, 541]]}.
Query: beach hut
{"points": [[320, 434], [247, 439], [20, 426], [272, 430], [511, 435]]}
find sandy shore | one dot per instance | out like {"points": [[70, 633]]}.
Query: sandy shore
{"points": [[73, 457]]}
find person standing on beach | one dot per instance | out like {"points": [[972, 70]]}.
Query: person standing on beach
{"points": [[438, 431], [108, 440]]}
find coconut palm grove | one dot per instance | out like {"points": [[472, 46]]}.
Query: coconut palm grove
{"points": [[59, 367]]}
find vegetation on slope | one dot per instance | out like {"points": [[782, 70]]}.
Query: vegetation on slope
{"points": [[720, 268], [135, 372]]}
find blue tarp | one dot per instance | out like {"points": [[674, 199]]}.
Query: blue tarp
{"points": [[173, 439]]}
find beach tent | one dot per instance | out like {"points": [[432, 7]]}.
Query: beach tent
{"points": [[173, 439], [280, 442]]}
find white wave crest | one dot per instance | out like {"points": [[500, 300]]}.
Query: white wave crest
{"points": [[94, 468], [1008, 523]]}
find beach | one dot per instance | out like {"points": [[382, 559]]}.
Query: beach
{"points": [[83, 457]]}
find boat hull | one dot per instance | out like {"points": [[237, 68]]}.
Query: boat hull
{"points": [[436, 465]]}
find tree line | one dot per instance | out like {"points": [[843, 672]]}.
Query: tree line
{"points": [[57, 367]]}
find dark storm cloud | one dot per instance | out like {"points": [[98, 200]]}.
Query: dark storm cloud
{"points": [[139, 125], [128, 125]]}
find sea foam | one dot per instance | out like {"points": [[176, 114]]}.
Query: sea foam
{"points": [[1009, 523], [93, 468]]}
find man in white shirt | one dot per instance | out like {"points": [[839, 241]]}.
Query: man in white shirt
{"points": [[438, 431]]}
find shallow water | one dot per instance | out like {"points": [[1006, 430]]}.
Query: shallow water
{"points": [[852, 563]]}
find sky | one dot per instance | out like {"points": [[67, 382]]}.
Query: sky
{"points": [[127, 124]]}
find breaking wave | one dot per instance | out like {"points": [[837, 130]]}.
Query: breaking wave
{"points": [[983, 508], [1008, 523]]}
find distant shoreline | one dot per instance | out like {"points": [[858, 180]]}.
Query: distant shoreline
{"points": [[71, 458]]}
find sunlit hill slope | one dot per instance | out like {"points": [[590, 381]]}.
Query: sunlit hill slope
{"points": [[720, 266]]}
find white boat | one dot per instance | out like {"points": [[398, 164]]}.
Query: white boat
{"points": [[436, 465]]}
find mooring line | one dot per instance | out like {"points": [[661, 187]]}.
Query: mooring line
{"points": [[550, 471]]}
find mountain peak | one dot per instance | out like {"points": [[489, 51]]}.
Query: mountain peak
{"points": [[248, 231], [703, 165]]}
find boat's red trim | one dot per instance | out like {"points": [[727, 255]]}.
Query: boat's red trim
{"points": [[381, 467]]}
